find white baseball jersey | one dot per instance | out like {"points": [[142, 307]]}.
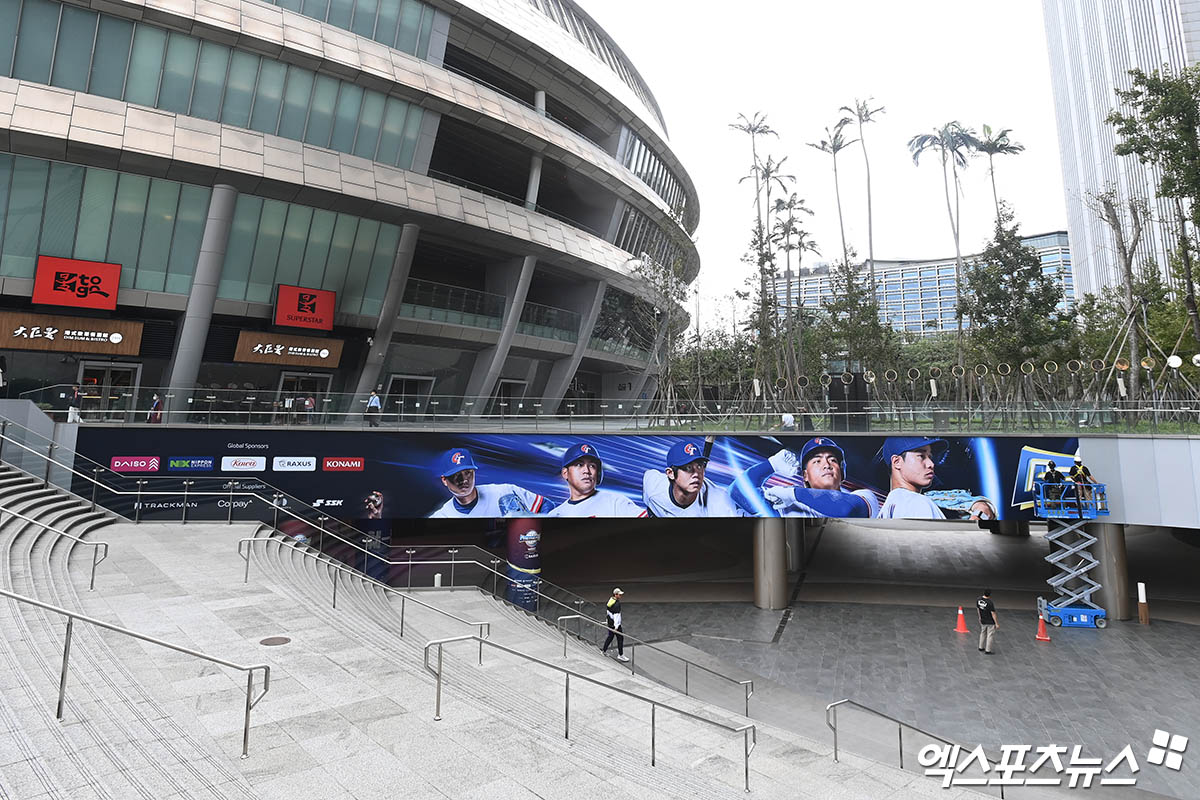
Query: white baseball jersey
{"points": [[798, 509], [713, 501], [600, 503], [907, 504], [495, 500]]}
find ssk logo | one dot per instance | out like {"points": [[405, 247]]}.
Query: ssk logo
{"points": [[243, 463], [306, 303], [323, 503], [343, 464], [134, 463]]}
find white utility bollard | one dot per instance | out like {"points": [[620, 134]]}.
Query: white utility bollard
{"points": [[437, 580]]}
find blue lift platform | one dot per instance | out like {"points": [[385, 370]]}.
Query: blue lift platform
{"points": [[1067, 507]]}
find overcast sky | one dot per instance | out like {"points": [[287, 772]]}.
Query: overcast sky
{"points": [[799, 62]]}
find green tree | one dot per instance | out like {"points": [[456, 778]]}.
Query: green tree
{"points": [[851, 327], [997, 144], [862, 114], [953, 143], [791, 237], [834, 143], [1012, 304], [1159, 122]]}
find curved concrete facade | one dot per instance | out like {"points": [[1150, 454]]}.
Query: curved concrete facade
{"points": [[602, 190]]}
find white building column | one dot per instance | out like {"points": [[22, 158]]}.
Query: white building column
{"points": [[385, 326], [512, 280], [588, 300]]}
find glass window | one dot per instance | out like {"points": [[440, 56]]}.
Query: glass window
{"points": [[239, 89], [422, 49], [381, 268], [6, 167], [412, 128], [389, 18], [345, 118], [95, 214], [210, 80], [339, 252], [317, 251], [360, 266], [73, 55], [189, 230], [113, 39], [320, 114], [295, 103], [268, 98], [340, 13], [410, 26], [317, 9], [369, 120], [156, 236], [9, 9], [290, 5], [35, 41], [62, 210], [129, 214], [266, 252], [364, 17], [179, 70], [291, 251], [241, 247], [145, 65], [393, 131], [24, 221]]}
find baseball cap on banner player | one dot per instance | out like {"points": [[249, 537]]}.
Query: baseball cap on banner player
{"points": [[455, 461], [899, 445], [821, 443], [685, 453], [583, 450]]}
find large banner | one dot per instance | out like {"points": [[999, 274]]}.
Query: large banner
{"points": [[408, 475]]}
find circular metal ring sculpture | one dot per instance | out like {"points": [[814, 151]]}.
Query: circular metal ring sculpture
{"points": [[1027, 368], [802, 381], [869, 376], [781, 383], [1051, 367], [913, 373], [1196, 360], [1174, 361], [1074, 365], [935, 372], [1121, 363], [1149, 362], [1004, 368], [847, 378], [891, 375], [1097, 365], [825, 379], [981, 370], [957, 371]]}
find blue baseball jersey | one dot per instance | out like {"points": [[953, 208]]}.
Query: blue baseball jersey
{"points": [[495, 500], [712, 501]]}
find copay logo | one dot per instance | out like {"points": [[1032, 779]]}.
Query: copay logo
{"points": [[343, 464], [322, 503], [191, 463], [294, 464], [134, 463], [243, 463]]}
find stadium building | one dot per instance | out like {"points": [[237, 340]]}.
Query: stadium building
{"points": [[435, 199]]}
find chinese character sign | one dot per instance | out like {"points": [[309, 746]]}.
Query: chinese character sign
{"points": [[71, 282], [299, 307]]}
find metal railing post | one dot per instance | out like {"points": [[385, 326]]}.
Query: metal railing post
{"points": [[835, 734], [402, 599], [275, 498], [410, 552], [746, 757], [900, 742], [437, 707], [633, 659], [495, 575], [246, 723], [49, 464], [66, 662], [137, 508], [567, 710], [653, 732], [686, 693], [186, 484], [95, 557], [335, 585], [95, 482], [232, 486], [453, 553], [321, 533]]}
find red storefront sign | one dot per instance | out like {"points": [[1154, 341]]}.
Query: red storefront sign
{"points": [[305, 308], [71, 282], [343, 464]]}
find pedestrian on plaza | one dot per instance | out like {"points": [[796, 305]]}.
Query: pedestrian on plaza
{"points": [[73, 404], [988, 622], [310, 405], [155, 414], [615, 630], [374, 409]]}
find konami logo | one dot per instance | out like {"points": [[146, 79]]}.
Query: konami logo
{"points": [[134, 463], [343, 464]]}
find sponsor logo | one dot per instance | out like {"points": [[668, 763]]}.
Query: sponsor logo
{"points": [[305, 308], [191, 463], [458, 458], [583, 448], [343, 464], [243, 463], [294, 463], [71, 282], [322, 503], [690, 449], [134, 463]]}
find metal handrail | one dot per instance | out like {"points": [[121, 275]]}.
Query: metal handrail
{"points": [[747, 685], [749, 731], [485, 628], [251, 700], [96, 545], [901, 725]]}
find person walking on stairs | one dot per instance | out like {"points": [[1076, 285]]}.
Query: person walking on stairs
{"points": [[615, 630]]}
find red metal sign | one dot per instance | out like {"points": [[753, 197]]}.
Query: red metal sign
{"points": [[71, 282], [343, 464], [305, 308]]}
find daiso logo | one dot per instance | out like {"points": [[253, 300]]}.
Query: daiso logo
{"points": [[134, 463]]}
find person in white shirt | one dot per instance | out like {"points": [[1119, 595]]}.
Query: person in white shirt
{"points": [[583, 470], [489, 500], [682, 490], [911, 462]]}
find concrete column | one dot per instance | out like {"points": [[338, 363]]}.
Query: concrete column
{"points": [[368, 378], [535, 162], [193, 333], [770, 563], [512, 280], [794, 526], [564, 369], [1113, 572], [614, 222]]}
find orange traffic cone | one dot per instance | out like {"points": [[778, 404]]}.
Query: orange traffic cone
{"points": [[962, 622], [1042, 636]]}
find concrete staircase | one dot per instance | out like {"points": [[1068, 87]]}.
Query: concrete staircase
{"points": [[350, 708]]}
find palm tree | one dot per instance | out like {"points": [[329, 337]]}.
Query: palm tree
{"points": [[863, 113], [954, 145], [833, 143], [790, 237], [997, 144]]}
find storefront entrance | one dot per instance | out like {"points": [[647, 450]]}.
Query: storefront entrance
{"points": [[407, 397], [296, 389], [110, 390]]}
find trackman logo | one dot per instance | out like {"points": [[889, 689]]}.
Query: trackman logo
{"points": [[343, 464], [134, 463], [243, 463], [322, 503]]}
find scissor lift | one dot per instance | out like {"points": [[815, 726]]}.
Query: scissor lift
{"points": [[1067, 507]]}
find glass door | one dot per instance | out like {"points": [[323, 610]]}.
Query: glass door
{"points": [[304, 397], [506, 400], [407, 397], [109, 391]]}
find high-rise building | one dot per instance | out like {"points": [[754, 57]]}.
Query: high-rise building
{"points": [[1093, 44], [919, 296]]}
